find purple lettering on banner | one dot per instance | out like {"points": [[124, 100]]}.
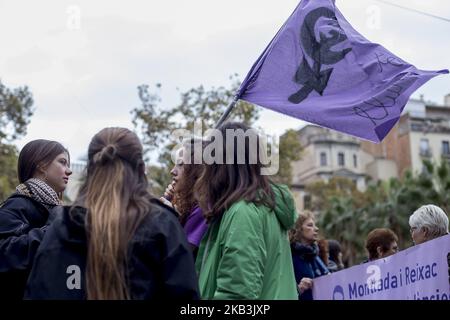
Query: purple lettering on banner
{"points": [[418, 273]]}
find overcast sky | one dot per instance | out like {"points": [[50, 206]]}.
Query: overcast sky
{"points": [[83, 72]]}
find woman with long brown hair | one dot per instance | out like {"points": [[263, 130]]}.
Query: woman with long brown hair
{"points": [[43, 172], [185, 174], [245, 253], [116, 241]]}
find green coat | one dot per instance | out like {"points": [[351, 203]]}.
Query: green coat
{"points": [[247, 255]]}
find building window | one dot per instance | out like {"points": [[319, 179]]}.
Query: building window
{"points": [[355, 161], [424, 147], [445, 148], [323, 159], [341, 159]]}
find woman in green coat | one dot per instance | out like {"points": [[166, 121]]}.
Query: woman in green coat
{"points": [[245, 253]]}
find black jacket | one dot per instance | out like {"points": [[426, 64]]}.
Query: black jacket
{"points": [[23, 222], [307, 264], [160, 262]]}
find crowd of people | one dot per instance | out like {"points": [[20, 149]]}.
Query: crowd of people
{"points": [[220, 231]]}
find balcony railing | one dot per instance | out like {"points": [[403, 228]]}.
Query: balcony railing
{"points": [[332, 138], [425, 153]]}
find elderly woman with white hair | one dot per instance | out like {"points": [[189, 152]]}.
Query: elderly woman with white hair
{"points": [[427, 223]]}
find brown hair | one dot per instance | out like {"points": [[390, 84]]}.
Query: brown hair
{"points": [[37, 153], [116, 197], [184, 198], [295, 233], [381, 237], [323, 250], [222, 185], [334, 247]]}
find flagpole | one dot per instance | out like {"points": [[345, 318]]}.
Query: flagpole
{"points": [[227, 111]]}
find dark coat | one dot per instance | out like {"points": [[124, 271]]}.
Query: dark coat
{"points": [[307, 264], [160, 261], [23, 222]]}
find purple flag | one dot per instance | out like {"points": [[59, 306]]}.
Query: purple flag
{"points": [[319, 69]]}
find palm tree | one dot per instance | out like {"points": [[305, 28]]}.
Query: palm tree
{"points": [[435, 183], [344, 223]]}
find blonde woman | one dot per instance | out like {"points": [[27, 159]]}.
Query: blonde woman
{"points": [[305, 254]]}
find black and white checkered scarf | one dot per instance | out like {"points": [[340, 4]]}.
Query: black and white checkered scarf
{"points": [[39, 191]]}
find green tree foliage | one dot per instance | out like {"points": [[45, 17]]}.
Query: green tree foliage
{"points": [[197, 106], [8, 171], [15, 112], [16, 108], [159, 178], [347, 215], [290, 150], [335, 187]]}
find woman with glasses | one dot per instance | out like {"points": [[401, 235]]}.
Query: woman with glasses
{"points": [[427, 223]]}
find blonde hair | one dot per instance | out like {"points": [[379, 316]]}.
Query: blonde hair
{"points": [[296, 233], [115, 195]]}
